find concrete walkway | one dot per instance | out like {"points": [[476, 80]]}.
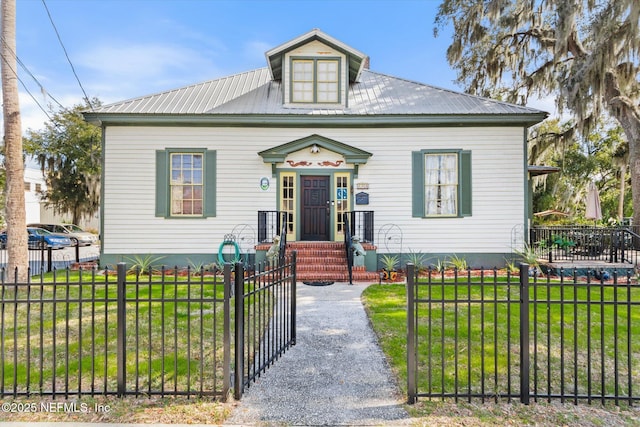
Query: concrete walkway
{"points": [[335, 375]]}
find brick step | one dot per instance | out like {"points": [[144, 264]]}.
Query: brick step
{"points": [[325, 261], [321, 267], [362, 276], [321, 260], [306, 253]]}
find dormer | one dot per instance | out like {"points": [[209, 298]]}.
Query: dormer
{"points": [[315, 70]]}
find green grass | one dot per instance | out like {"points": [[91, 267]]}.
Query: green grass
{"points": [[474, 353], [59, 335]]}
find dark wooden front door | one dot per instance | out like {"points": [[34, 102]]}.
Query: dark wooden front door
{"points": [[315, 208]]}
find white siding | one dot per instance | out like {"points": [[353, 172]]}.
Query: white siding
{"points": [[130, 225]]}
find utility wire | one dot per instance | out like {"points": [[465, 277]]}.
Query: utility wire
{"points": [[26, 88], [86, 97], [42, 88], [44, 91]]}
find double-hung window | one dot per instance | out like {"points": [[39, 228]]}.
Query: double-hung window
{"points": [[315, 81], [441, 183], [185, 183]]}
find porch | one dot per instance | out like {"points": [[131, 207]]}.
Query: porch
{"points": [[585, 248], [323, 260]]}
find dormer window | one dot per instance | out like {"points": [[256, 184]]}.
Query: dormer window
{"points": [[315, 81]]}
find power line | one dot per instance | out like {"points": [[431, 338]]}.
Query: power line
{"points": [[86, 97], [42, 88], [26, 88], [44, 91]]}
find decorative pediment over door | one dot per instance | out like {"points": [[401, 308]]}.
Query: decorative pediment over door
{"points": [[316, 144]]}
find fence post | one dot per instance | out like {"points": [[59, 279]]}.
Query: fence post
{"points": [[121, 325], [411, 337], [49, 258], [226, 327], [524, 333], [294, 296], [238, 379]]}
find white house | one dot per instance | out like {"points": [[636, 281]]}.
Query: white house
{"points": [[314, 134]]}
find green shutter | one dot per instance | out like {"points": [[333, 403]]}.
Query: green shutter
{"points": [[162, 184], [210, 184], [417, 183], [465, 183]]}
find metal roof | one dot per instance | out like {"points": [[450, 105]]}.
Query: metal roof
{"points": [[255, 93], [194, 99]]}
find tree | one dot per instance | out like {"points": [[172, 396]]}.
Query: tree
{"points": [[68, 151], [584, 52], [17, 250], [600, 158]]}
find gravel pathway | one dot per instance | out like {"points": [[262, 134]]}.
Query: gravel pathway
{"points": [[335, 375]]}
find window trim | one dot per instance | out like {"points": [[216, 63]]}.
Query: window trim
{"points": [[464, 193], [315, 61], [163, 182]]}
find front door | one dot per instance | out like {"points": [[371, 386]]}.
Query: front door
{"points": [[316, 209]]}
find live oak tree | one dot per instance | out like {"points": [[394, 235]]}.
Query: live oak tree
{"points": [[68, 150], [586, 53], [603, 154]]}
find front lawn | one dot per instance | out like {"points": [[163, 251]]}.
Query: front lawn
{"points": [[60, 334], [458, 342]]}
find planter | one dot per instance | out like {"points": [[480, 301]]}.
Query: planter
{"points": [[390, 275]]}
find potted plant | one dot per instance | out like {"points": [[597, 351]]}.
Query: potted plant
{"points": [[564, 244], [389, 263]]}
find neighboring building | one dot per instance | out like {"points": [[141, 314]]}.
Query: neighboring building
{"points": [[314, 134], [34, 183], [36, 209]]}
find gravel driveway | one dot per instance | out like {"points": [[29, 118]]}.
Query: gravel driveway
{"points": [[335, 375]]}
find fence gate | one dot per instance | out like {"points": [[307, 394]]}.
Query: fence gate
{"points": [[265, 318], [170, 333], [521, 337]]}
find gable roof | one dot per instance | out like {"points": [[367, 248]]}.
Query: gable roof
{"points": [[356, 59]]}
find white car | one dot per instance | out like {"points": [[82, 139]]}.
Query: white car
{"points": [[78, 236]]}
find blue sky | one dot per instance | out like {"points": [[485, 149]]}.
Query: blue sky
{"points": [[127, 48]]}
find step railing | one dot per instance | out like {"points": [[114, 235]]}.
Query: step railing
{"points": [[348, 246], [361, 225]]}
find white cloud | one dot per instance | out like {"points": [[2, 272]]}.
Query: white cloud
{"points": [[128, 70]]}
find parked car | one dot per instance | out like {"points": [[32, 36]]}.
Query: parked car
{"points": [[77, 235], [40, 238]]}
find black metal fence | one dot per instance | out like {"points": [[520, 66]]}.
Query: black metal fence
{"points": [[495, 337], [266, 312], [42, 258], [586, 243], [130, 333]]}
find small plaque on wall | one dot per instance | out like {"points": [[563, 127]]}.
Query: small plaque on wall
{"points": [[362, 198]]}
